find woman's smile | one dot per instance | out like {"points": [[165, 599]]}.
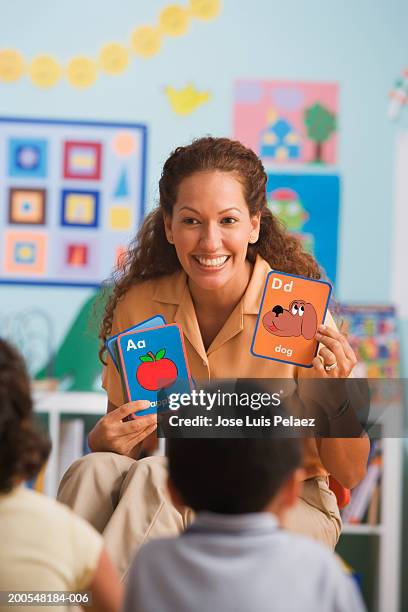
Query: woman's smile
{"points": [[210, 229], [211, 263]]}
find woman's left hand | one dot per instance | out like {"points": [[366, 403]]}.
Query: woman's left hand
{"points": [[336, 358]]}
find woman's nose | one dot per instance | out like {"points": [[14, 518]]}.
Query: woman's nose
{"points": [[210, 239]]}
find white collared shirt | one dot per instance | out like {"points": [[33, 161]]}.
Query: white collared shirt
{"points": [[238, 563]]}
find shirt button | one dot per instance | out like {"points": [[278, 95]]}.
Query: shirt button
{"points": [[205, 363]]}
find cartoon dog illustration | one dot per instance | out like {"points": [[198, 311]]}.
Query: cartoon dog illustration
{"points": [[299, 319]]}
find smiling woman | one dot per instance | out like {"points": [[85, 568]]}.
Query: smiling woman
{"points": [[210, 228], [201, 259]]}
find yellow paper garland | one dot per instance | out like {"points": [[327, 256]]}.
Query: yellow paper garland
{"points": [[146, 41], [174, 20], [45, 71], [114, 58], [11, 65], [205, 9], [82, 72]]}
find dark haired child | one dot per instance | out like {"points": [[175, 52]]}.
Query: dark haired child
{"points": [[44, 546], [235, 557]]}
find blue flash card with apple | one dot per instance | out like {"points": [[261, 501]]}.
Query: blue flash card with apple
{"points": [[152, 360], [155, 321]]}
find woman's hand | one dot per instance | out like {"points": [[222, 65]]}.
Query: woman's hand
{"points": [[336, 358], [112, 433], [328, 384], [345, 450]]}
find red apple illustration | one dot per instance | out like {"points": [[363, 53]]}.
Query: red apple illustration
{"points": [[156, 373]]}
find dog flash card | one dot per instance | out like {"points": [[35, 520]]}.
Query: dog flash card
{"points": [[292, 307], [152, 360]]}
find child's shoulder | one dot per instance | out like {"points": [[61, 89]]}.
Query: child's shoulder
{"points": [[303, 550], [157, 551], [23, 504]]}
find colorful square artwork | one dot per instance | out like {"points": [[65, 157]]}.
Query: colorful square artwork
{"points": [[71, 198], [119, 257], [27, 206], [308, 206], [120, 217], [287, 122], [78, 256], [25, 253], [27, 158], [82, 160], [80, 208]]}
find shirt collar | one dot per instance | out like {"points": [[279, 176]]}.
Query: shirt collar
{"points": [[253, 294], [171, 290], [174, 290], [252, 522]]}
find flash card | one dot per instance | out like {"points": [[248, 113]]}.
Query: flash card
{"points": [[152, 360], [155, 321], [292, 307]]}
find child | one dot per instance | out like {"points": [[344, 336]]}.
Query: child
{"points": [[235, 557], [44, 546]]}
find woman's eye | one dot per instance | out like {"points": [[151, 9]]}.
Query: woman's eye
{"points": [[190, 221], [228, 220], [301, 311], [294, 309]]}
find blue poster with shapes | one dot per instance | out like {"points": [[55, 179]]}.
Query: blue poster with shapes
{"points": [[308, 206], [71, 198]]}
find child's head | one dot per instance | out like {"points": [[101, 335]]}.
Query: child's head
{"points": [[23, 450], [235, 475]]}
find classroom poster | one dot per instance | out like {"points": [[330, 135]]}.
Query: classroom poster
{"points": [[287, 122], [71, 198], [399, 244], [308, 206], [373, 333]]}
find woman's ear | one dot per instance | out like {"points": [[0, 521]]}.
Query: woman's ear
{"points": [[167, 228], [255, 227]]}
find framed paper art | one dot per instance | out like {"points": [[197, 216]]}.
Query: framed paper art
{"points": [[287, 122], [71, 198], [309, 206]]}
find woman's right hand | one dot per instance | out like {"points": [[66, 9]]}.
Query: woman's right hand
{"points": [[112, 433]]}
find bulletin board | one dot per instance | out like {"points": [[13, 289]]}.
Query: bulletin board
{"points": [[287, 122], [71, 198], [372, 331], [309, 206]]}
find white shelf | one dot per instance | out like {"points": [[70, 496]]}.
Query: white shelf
{"points": [[387, 596], [70, 402], [56, 403], [353, 529]]}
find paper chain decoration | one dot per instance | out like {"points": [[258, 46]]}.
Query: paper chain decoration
{"points": [[81, 71], [398, 95]]}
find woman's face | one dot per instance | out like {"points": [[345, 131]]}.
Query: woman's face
{"points": [[211, 228]]}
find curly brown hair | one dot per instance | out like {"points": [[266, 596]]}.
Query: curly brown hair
{"points": [[150, 255], [23, 449]]}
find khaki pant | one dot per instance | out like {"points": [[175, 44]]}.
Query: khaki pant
{"points": [[128, 503]]}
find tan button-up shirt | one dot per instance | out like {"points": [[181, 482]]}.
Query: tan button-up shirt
{"points": [[228, 356]]}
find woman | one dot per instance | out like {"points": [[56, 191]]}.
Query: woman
{"points": [[201, 260], [44, 546]]}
